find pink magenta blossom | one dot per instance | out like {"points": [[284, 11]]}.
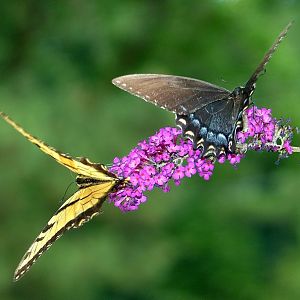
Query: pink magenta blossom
{"points": [[166, 157]]}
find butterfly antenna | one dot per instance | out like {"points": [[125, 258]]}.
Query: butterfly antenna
{"points": [[64, 196], [250, 85]]}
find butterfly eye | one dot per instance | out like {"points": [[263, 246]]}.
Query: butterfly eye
{"points": [[238, 91]]}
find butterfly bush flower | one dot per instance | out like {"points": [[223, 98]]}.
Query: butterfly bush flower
{"points": [[167, 157]]}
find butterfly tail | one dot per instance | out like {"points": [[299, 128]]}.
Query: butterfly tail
{"points": [[40, 144], [250, 85]]}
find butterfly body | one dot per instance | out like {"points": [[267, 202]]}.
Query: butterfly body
{"points": [[208, 115]]}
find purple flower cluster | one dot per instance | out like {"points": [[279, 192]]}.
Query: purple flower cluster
{"points": [[259, 125], [263, 132], [154, 163], [167, 157]]}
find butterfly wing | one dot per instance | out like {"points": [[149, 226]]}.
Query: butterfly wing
{"points": [[250, 85], [83, 167], [79, 208], [180, 95], [95, 182]]}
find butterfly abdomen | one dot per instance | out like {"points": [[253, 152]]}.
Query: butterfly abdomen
{"points": [[83, 181]]}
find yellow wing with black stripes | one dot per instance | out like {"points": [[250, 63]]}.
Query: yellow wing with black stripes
{"points": [[79, 208], [95, 182], [83, 167]]}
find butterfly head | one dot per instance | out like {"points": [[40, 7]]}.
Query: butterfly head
{"points": [[243, 95], [123, 182], [238, 92]]}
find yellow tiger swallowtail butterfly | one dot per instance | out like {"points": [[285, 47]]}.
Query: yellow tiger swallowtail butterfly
{"points": [[94, 182]]}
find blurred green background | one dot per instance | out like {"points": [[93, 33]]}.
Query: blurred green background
{"points": [[234, 237]]}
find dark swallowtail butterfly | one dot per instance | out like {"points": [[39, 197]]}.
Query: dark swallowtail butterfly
{"points": [[208, 115]]}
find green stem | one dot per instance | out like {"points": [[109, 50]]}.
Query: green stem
{"points": [[296, 149]]}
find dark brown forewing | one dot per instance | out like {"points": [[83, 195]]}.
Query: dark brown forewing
{"points": [[250, 85], [180, 95]]}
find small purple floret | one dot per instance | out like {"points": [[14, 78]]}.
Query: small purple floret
{"points": [[167, 157]]}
